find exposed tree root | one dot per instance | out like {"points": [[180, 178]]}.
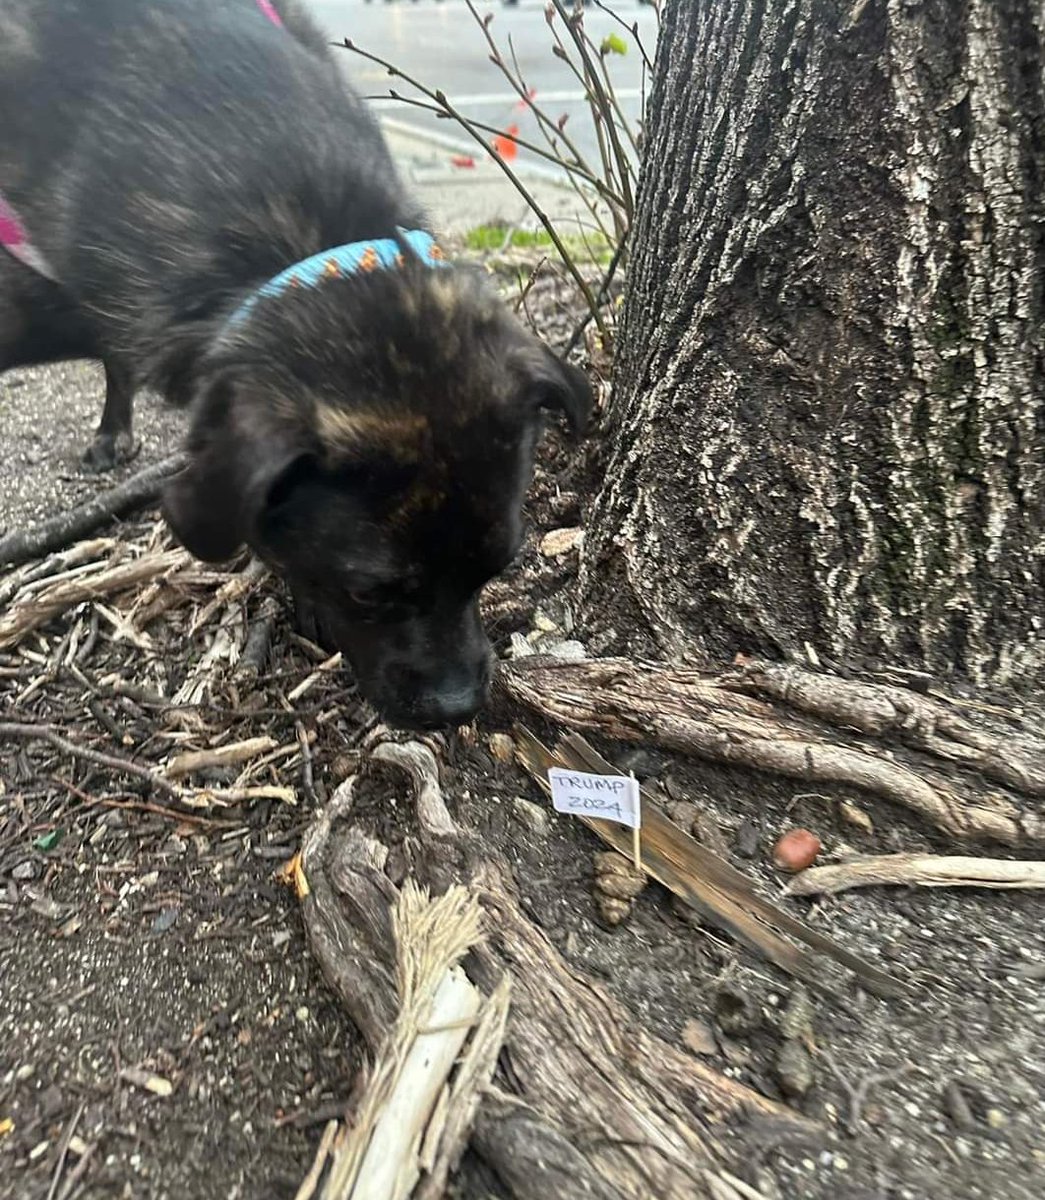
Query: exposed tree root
{"points": [[592, 1104], [893, 712], [716, 718]]}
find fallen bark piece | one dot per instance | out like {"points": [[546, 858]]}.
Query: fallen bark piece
{"points": [[561, 541], [715, 888], [585, 1101], [135, 493], [919, 870]]}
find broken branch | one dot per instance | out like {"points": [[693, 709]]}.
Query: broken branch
{"points": [[918, 870], [141, 489]]}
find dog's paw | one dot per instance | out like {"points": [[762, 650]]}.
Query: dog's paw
{"points": [[110, 450]]}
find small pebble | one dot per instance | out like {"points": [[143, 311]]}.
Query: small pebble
{"points": [[698, 1037], [794, 1068], [706, 830], [797, 1018], [747, 838], [531, 815], [957, 1107], [543, 623], [502, 747], [570, 650], [683, 813], [164, 919]]}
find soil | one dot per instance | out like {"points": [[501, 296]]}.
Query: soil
{"points": [[165, 1033]]}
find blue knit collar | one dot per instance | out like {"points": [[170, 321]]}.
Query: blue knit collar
{"points": [[357, 258]]}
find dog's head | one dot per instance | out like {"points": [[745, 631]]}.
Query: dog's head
{"points": [[373, 440]]}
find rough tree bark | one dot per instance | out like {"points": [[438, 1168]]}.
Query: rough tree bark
{"points": [[828, 419]]}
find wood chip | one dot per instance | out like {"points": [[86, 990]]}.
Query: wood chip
{"points": [[698, 1037], [561, 541], [147, 1081]]}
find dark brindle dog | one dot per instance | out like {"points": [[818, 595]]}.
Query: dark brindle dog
{"points": [[364, 421]]}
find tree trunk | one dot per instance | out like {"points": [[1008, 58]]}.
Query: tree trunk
{"points": [[828, 418]]}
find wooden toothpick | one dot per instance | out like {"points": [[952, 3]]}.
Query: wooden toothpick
{"points": [[636, 832]]}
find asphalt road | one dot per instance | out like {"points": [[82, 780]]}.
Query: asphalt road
{"points": [[440, 44]]}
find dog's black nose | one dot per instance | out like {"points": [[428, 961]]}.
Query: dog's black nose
{"points": [[439, 710]]}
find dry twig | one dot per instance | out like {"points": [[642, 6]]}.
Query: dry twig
{"points": [[141, 489], [919, 870], [25, 616]]}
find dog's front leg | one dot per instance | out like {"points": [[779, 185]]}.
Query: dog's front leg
{"points": [[113, 442]]}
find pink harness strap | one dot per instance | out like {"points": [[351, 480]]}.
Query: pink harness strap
{"points": [[15, 240], [13, 235], [269, 9]]}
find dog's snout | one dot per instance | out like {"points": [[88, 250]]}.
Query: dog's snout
{"points": [[430, 673], [452, 698], [440, 711]]}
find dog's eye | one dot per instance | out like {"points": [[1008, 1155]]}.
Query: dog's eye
{"points": [[364, 598], [381, 603]]}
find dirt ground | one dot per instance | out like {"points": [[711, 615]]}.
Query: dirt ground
{"points": [[164, 1032]]}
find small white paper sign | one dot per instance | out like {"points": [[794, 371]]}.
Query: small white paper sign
{"points": [[608, 797]]}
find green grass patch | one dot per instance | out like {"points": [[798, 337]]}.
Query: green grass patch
{"points": [[487, 239]]}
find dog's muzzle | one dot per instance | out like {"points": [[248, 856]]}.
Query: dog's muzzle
{"points": [[429, 672]]}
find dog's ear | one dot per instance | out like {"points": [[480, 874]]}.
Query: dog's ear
{"points": [[236, 472], [559, 386]]}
